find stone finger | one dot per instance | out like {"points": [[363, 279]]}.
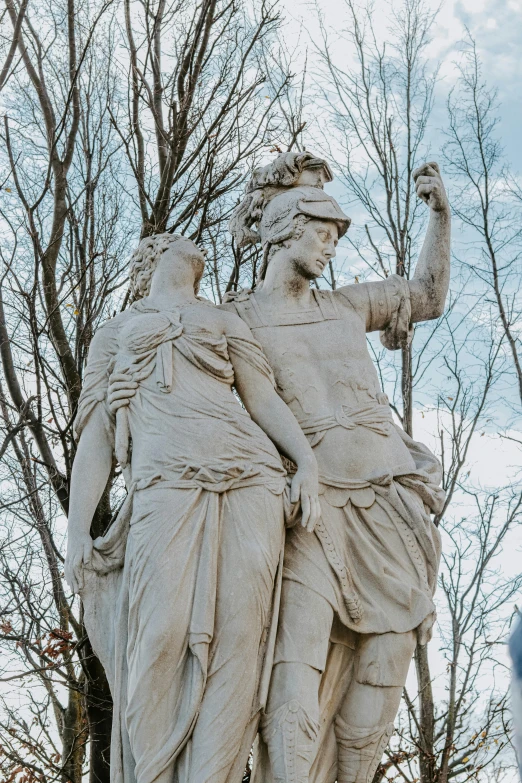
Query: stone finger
{"points": [[425, 170], [305, 506], [425, 191], [123, 385], [120, 394], [115, 406]]}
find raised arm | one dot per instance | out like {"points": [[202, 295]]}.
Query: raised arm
{"points": [[429, 285], [273, 416]]}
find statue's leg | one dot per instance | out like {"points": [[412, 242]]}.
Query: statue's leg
{"points": [[249, 551], [364, 724], [290, 725]]}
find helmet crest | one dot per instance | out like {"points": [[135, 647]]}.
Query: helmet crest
{"points": [[289, 186]]}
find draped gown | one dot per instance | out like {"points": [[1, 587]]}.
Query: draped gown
{"points": [[179, 599]]}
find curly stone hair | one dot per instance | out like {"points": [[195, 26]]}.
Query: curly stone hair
{"points": [[144, 260]]}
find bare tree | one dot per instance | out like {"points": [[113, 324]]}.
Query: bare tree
{"points": [[13, 39], [197, 110], [487, 198], [380, 110], [86, 168], [122, 122], [60, 265]]}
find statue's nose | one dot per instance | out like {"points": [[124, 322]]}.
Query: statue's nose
{"points": [[330, 251]]}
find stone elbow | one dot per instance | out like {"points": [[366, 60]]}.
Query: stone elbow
{"points": [[438, 310]]}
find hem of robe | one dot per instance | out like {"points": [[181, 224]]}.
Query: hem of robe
{"points": [[105, 601]]}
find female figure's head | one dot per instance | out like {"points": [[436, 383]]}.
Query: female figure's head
{"points": [[164, 261]]}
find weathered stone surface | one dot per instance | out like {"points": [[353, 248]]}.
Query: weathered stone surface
{"points": [[181, 595], [203, 629], [357, 594]]}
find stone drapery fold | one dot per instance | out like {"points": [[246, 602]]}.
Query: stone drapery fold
{"points": [[185, 493]]}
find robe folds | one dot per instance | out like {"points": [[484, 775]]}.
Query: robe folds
{"points": [[179, 596]]}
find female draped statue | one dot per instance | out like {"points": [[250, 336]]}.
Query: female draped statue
{"points": [[179, 593]]}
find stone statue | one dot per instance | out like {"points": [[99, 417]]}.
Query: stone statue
{"points": [[179, 595], [357, 592]]}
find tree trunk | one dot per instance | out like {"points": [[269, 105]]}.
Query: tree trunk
{"points": [[426, 716], [407, 390], [98, 699], [99, 715], [74, 738], [426, 705]]}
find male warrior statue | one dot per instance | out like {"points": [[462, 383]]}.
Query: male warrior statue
{"points": [[357, 592]]}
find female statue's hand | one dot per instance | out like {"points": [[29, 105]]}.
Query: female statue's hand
{"points": [[121, 390], [305, 487], [79, 551]]}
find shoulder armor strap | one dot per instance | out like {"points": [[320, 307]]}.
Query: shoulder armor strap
{"points": [[248, 313], [327, 304]]}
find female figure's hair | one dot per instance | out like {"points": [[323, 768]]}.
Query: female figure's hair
{"points": [[144, 260]]}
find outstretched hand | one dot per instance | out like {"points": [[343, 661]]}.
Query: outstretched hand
{"points": [[430, 187], [305, 487]]}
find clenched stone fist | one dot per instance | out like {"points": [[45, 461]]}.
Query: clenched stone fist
{"points": [[430, 187]]}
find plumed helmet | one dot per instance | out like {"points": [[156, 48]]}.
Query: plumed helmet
{"points": [[277, 220], [287, 169], [291, 185]]}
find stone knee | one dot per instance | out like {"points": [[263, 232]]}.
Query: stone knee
{"points": [[291, 723], [364, 724]]}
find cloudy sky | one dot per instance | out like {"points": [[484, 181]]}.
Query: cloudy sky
{"points": [[496, 26]]}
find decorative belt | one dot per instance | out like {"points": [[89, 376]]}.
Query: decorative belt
{"points": [[377, 418]]}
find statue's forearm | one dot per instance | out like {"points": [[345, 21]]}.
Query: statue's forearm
{"points": [[270, 413], [276, 419], [91, 471], [429, 286]]}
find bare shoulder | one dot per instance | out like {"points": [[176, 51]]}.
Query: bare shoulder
{"points": [[234, 326]]}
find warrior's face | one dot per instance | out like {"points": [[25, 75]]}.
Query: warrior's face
{"points": [[311, 251]]}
